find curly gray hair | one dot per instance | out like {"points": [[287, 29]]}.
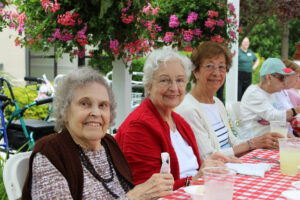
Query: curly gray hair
{"points": [[64, 93], [159, 56]]}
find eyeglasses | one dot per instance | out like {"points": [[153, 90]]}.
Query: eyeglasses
{"points": [[167, 82], [221, 68], [280, 77]]}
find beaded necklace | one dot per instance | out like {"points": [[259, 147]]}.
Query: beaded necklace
{"points": [[89, 166]]}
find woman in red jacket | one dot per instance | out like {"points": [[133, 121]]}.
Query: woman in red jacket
{"points": [[153, 127]]}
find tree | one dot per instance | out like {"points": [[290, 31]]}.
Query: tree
{"points": [[255, 12], [266, 37]]}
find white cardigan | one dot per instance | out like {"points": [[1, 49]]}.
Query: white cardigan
{"points": [[192, 111]]}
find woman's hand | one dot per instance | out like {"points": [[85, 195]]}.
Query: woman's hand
{"points": [[290, 135], [208, 163], [225, 159], [267, 140], [156, 186]]}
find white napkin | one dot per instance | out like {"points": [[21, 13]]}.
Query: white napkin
{"points": [[165, 163], [250, 169]]}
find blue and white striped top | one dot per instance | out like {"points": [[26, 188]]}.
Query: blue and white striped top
{"points": [[213, 115]]}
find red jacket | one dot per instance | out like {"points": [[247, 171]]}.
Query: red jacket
{"points": [[144, 135]]}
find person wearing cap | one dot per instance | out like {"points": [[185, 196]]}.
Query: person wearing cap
{"points": [[282, 98], [258, 105], [206, 114]]}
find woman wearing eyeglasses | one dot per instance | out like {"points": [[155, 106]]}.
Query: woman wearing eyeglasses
{"points": [[205, 113], [258, 105], [153, 127]]}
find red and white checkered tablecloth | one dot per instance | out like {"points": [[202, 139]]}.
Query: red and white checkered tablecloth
{"points": [[249, 187]]}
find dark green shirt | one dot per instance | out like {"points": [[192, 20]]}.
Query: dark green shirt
{"points": [[246, 60]]}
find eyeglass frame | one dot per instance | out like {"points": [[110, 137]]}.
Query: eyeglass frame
{"points": [[169, 81], [211, 68], [279, 77]]}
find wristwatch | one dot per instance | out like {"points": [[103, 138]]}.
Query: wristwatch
{"points": [[294, 112]]}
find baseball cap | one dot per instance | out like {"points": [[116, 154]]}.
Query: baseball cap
{"points": [[274, 65]]}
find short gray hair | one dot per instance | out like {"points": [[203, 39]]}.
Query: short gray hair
{"points": [[64, 93], [263, 78], [158, 56]]}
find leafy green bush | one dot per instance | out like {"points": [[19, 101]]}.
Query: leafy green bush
{"points": [[255, 74], [25, 96], [3, 195]]}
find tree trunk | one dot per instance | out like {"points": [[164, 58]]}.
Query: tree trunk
{"points": [[285, 40]]}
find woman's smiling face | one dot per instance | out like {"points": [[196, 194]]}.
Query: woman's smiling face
{"points": [[212, 72], [88, 115]]}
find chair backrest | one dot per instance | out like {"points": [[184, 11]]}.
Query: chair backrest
{"points": [[14, 174], [233, 110]]}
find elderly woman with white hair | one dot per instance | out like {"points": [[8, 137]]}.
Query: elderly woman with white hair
{"points": [[153, 127], [82, 161], [258, 105]]}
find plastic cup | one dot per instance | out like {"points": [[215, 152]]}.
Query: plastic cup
{"points": [[218, 183], [279, 127], [197, 182], [289, 150]]}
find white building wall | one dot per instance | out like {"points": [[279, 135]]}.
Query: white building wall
{"points": [[12, 57]]}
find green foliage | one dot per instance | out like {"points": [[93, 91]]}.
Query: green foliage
{"points": [[3, 195], [255, 74], [25, 96], [265, 38]]}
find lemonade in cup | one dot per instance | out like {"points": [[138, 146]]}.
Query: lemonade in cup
{"points": [[289, 150], [279, 127]]}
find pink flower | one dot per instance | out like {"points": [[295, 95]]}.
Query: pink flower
{"points": [[113, 45], [217, 38], [48, 6], [55, 6], [197, 32], [146, 10], [91, 54], [209, 23], [66, 36], [50, 39], [127, 20], [11, 25], [81, 53], [220, 23], [148, 24], [81, 39], [20, 28], [17, 42], [231, 7], [128, 6], [168, 37], [173, 21], [68, 19], [157, 28], [57, 34], [228, 20], [155, 11], [232, 34], [188, 35], [192, 17], [212, 13], [21, 18]]}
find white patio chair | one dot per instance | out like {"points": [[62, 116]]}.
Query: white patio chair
{"points": [[14, 174], [233, 110]]}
